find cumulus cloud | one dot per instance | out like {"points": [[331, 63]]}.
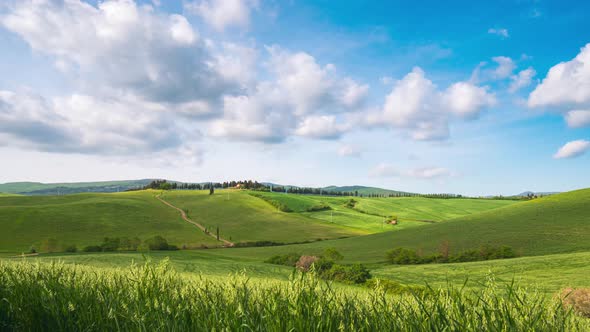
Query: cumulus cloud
{"points": [[521, 80], [417, 105], [84, 124], [499, 32], [572, 149], [567, 84], [505, 67], [120, 47], [349, 150], [221, 14], [301, 97], [578, 118], [321, 126]]}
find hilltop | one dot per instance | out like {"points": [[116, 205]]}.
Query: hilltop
{"points": [[38, 188]]}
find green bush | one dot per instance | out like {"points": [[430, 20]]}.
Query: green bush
{"points": [[92, 249], [287, 259], [158, 243], [350, 274], [410, 256], [319, 207], [71, 248]]}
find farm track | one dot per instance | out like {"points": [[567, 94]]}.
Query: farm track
{"points": [[189, 220]]}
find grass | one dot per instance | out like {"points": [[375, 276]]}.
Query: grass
{"points": [[369, 214], [244, 218], [555, 224], [24, 187], [85, 219], [58, 297]]}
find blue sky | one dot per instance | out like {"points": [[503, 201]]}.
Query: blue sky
{"points": [[464, 97]]}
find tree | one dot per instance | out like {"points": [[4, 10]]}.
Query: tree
{"points": [[211, 190]]}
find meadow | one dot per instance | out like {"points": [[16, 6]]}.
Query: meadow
{"points": [[50, 297], [236, 285]]}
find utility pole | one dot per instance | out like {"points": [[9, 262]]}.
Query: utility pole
{"points": [[217, 233]]}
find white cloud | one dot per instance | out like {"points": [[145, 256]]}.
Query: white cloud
{"points": [[505, 67], [301, 97], [221, 14], [415, 104], [386, 80], [578, 118], [429, 172], [121, 48], [567, 84], [84, 124], [322, 127], [572, 149], [499, 32], [521, 80], [349, 150]]}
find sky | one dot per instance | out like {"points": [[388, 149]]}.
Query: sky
{"points": [[474, 98]]}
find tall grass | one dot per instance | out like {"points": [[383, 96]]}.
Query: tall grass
{"points": [[58, 297]]}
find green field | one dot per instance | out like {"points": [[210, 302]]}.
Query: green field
{"points": [[85, 219], [370, 214], [244, 218]]}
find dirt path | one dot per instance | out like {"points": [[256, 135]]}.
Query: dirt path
{"points": [[226, 243]]}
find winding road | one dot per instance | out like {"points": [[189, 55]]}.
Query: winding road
{"points": [[226, 243]]}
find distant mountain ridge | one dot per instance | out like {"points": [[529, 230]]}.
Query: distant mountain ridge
{"points": [[364, 190], [38, 188]]}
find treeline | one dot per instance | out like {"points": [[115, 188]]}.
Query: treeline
{"points": [[257, 186], [483, 253], [109, 244]]}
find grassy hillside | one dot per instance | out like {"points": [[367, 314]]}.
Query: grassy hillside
{"points": [[52, 188], [243, 218], [8, 194], [370, 213], [556, 224], [85, 219]]}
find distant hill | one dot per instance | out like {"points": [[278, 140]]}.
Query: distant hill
{"points": [[37, 188], [364, 190], [528, 193]]}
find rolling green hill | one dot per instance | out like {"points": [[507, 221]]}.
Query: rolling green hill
{"points": [[244, 218], [37, 188], [555, 224], [85, 219]]}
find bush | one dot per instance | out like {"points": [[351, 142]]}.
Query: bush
{"points": [[71, 248], [320, 207], [92, 249], [351, 203], [287, 260], [157, 243], [410, 256], [403, 256], [350, 274], [110, 244], [332, 254]]}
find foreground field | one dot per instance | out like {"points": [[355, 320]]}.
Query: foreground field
{"points": [[58, 297]]}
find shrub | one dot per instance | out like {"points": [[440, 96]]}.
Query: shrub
{"points": [[50, 245], [110, 244], [332, 254], [305, 262], [578, 300], [351, 274], [287, 259], [320, 207], [157, 243], [351, 203], [71, 248], [403, 256], [92, 249]]}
